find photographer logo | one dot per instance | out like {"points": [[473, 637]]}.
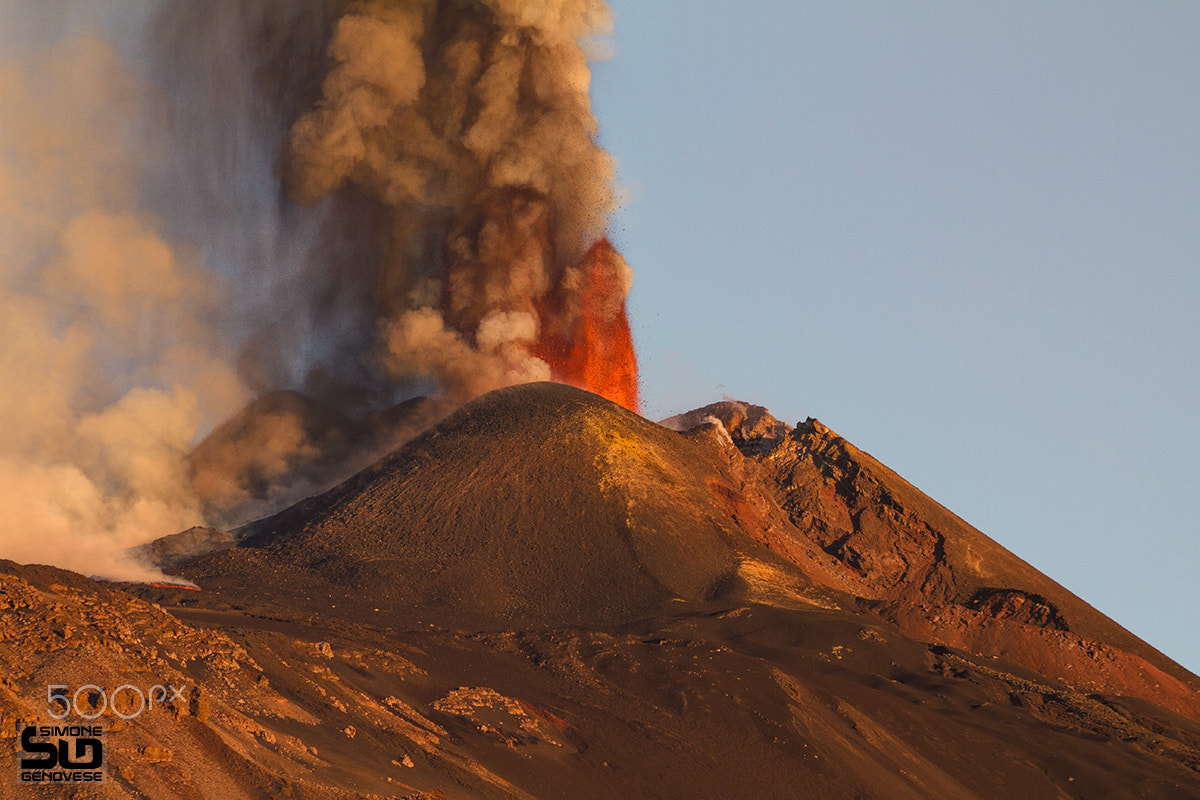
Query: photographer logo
{"points": [[62, 753]]}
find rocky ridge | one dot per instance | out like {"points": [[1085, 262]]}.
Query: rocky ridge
{"points": [[856, 526]]}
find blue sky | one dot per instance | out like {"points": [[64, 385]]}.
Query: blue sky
{"points": [[963, 235]]}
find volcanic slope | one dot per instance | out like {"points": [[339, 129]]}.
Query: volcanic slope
{"points": [[536, 504], [547, 596], [541, 504]]}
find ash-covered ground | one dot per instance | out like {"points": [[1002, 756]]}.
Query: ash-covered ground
{"points": [[546, 595]]}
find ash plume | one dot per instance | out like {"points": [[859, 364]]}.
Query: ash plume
{"points": [[471, 124], [202, 203]]}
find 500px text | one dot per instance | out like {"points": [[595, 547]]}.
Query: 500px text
{"points": [[61, 701]]}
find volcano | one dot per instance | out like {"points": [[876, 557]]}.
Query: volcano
{"points": [[546, 595]]}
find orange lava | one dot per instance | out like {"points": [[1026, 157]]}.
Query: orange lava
{"points": [[594, 351]]}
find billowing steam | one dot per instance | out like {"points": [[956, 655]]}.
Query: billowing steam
{"points": [[200, 203], [110, 363]]}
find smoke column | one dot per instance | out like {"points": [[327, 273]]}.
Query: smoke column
{"points": [[203, 202], [471, 124]]}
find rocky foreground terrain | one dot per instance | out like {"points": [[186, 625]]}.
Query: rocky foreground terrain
{"points": [[548, 596]]}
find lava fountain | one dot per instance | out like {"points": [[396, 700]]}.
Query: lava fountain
{"points": [[594, 349]]}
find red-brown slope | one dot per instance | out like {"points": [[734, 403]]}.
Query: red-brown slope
{"points": [[611, 622], [729, 701], [855, 525]]}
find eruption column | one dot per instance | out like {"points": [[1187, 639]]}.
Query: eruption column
{"points": [[471, 125]]}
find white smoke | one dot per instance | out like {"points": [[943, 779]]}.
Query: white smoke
{"points": [[682, 423], [110, 364]]}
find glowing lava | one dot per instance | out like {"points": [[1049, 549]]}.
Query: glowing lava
{"points": [[593, 351]]}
